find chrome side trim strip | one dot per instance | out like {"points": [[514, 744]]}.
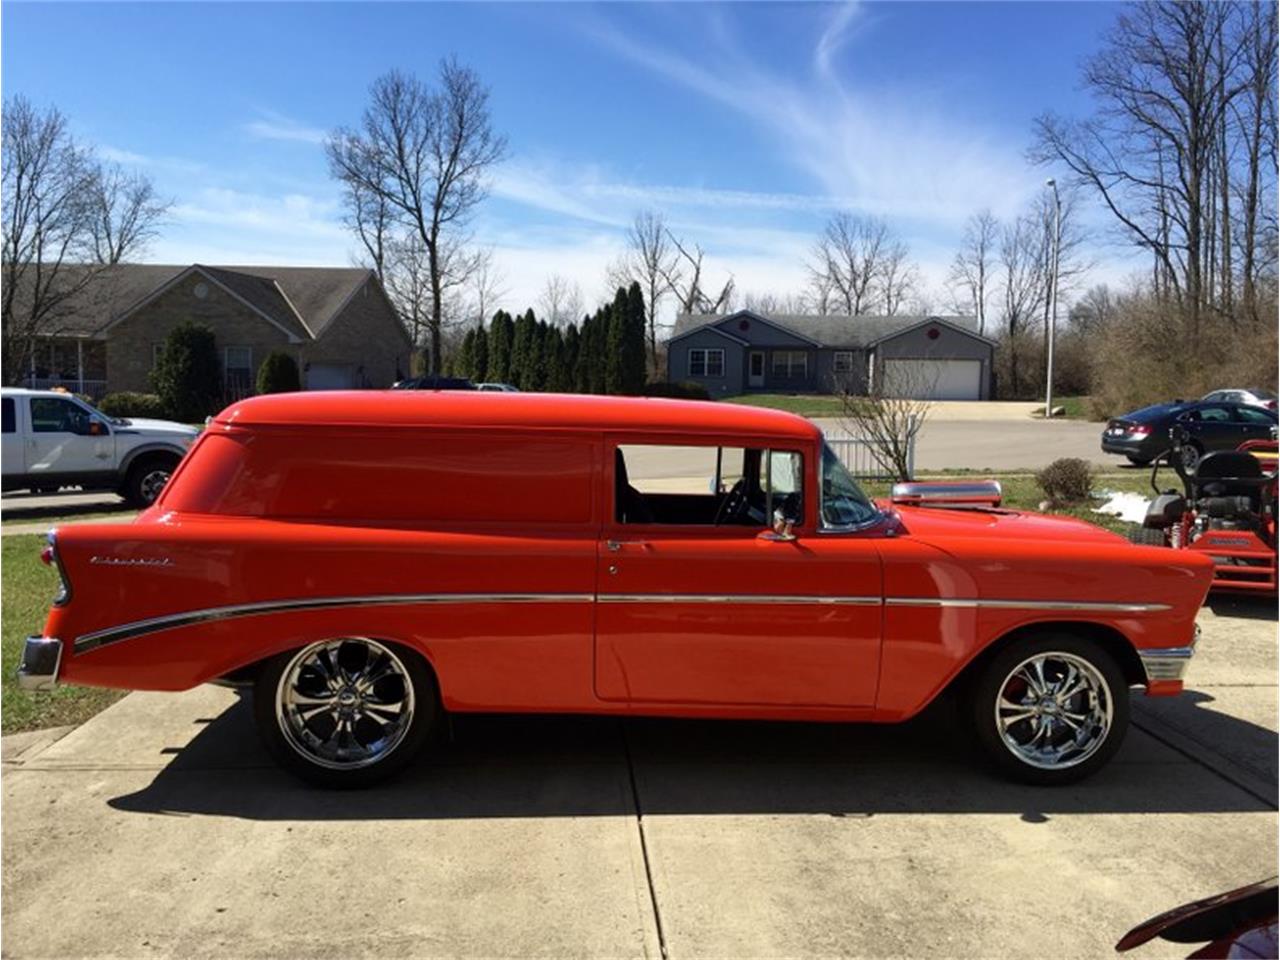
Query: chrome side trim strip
{"points": [[1166, 663], [748, 598], [127, 631], [1027, 604]]}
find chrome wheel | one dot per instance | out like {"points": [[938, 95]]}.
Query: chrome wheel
{"points": [[346, 703], [1054, 710], [152, 483]]}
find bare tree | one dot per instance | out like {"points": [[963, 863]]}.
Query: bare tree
{"points": [[1022, 286], [898, 277], [65, 219], [688, 286], [888, 417], [649, 260], [775, 304], [1166, 84], [425, 153], [1094, 311], [973, 266], [407, 278], [849, 258], [561, 300], [368, 216], [126, 213], [487, 286]]}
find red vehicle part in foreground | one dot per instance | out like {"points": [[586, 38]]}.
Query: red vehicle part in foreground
{"points": [[1239, 923]]}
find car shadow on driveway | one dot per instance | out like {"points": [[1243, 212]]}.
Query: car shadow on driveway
{"points": [[514, 766]]}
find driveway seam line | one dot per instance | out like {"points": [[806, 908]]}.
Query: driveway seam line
{"points": [[644, 843], [1171, 738]]}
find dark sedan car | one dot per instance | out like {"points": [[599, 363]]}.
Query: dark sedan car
{"points": [[432, 382], [1144, 434]]}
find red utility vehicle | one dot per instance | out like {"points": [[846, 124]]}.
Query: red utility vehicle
{"points": [[367, 560], [1226, 511]]}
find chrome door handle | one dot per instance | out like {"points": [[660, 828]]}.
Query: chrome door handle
{"points": [[613, 546]]}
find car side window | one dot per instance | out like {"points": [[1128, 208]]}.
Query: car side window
{"points": [[10, 416], [55, 415], [1214, 415], [705, 485], [1248, 414]]}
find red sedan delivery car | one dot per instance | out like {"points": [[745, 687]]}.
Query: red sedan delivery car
{"points": [[366, 561]]}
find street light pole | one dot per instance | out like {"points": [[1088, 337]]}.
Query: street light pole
{"points": [[1053, 296]]}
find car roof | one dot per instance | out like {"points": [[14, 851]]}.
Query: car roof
{"points": [[28, 392], [447, 408]]}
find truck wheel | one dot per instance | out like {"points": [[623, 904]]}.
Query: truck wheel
{"points": [[1051, 709], [147, 478], [1148, 537], [345, 712]]}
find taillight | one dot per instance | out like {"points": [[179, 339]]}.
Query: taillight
{"points": [[50, 557], [1139, 431]]}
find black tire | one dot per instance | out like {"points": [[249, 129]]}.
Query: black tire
{"points": [[1191, 455], [986, 690], [286, 748], [140, 484], [1148, 537], [1138, 461]]}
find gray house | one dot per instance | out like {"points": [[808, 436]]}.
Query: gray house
{"points": [[941, 358]]}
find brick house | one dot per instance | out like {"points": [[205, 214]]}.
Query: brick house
{"points": [[336, 322]]}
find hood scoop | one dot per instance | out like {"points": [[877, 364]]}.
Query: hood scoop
{"points": [[948, 493]]}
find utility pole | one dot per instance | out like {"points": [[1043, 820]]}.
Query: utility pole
{"points": [[1053, 296]]}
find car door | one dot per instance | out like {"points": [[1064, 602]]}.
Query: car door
{"points": [[1254, 423], [1212, 426], [13, 455], [64, 439], [690, 611]]}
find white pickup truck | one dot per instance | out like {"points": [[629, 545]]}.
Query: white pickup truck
{"points": [[53, 439]]}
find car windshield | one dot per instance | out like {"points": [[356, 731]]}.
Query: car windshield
{"points": [[843, 503]]}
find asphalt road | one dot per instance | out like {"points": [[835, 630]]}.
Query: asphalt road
{"points": [[160, 828]]}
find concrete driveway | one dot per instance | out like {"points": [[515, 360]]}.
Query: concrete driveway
{"points": [[160, 829]]}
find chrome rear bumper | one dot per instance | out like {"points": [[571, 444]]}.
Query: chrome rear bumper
{"points": [[1168, 663], [41, 658]]}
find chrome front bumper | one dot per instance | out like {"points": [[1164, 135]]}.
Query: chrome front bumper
{"points": [[41, 658], [1168, 663]]}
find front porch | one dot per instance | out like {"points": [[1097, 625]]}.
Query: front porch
{"points": [[77, 364]]}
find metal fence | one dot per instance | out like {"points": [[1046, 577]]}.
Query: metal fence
{"points": [[91, 388], [856, 455]]}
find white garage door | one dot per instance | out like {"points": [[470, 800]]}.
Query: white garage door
{"points": [[934, 379], [330, 376]]}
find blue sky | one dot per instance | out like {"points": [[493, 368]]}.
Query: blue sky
{"points": [[746, 124]]}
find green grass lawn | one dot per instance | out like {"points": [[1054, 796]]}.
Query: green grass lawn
{"points": [[804, 405], [28, 586]]}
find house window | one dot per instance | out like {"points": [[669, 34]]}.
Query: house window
{"points": [[843, 361], [237, 367], [790, 364], [706, 363]]}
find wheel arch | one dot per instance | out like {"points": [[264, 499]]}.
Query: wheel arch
{"points": [[247, 674], [1106, 636], [145, 450]]}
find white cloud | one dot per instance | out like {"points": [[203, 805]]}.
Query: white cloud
{"points": [[879, 151], [274, 126]]}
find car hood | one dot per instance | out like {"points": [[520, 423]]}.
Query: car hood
{"points": [[159, 428], [930, 523]]}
